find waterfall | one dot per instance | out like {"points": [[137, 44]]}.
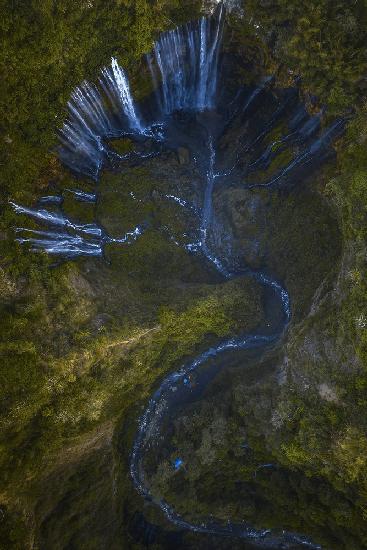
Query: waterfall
{"points": [[59, 243], [81, 146], [207, 212], [63, 236], [186, 63], [94, 115], [184, 69], [117, 88]]}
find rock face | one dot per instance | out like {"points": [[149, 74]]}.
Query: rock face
{"points": [[243, 214], [286, 234]]}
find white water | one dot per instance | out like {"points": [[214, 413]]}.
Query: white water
{"points": [[185, 61], [66, 238], [117, 87], [94, 116], [59, 243], [184, 69], [207, 213], [81, 134], [83, 196], [319, 145], [57, 219]]}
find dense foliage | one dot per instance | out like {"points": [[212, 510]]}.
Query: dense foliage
{"points": [[64, 364], [321, 41]]}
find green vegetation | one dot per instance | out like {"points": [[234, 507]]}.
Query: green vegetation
{"points": [[81, 343], [78, 344], [321, 411], [322, 41], [228, 472]]}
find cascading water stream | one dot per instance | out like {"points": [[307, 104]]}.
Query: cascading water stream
{"points": [[118, 90], [66, 237], [189, 80], [207, 212]]}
